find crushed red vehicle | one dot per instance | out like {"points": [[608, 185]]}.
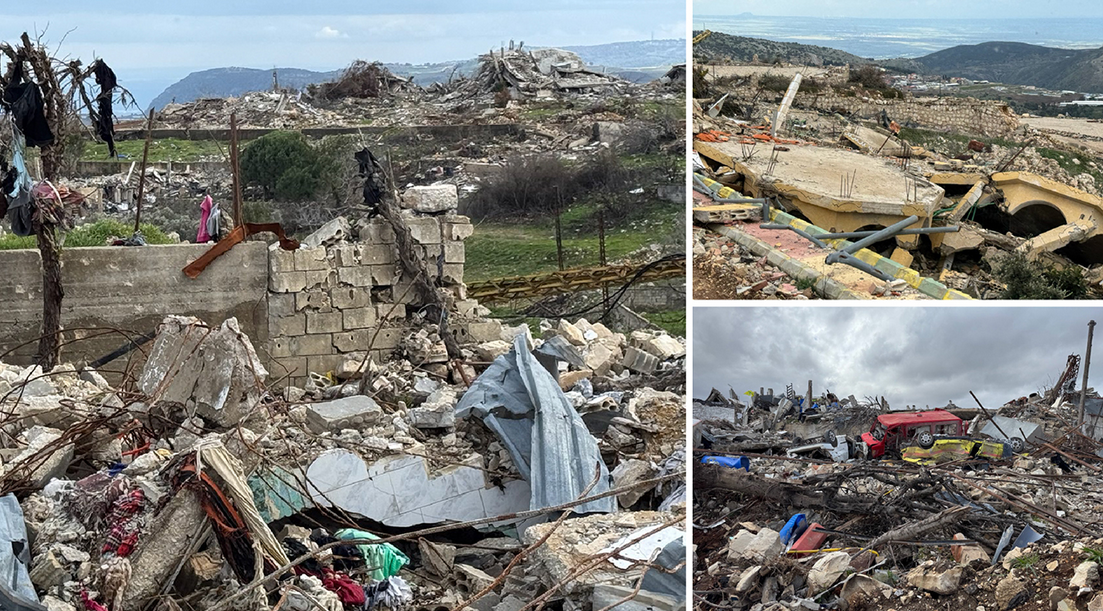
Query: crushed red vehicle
{"points": [[894, 431]]}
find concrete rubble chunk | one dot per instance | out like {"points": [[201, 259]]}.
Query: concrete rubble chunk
{"points": [[570, 332], [748, 579], [639, 361], [764, 545], [939, 581], [1085, 577], [627, 473], [357, 411], [827, 570], [431, 198], [333, 232], [212, 370]]}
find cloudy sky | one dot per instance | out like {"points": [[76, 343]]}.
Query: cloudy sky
{"points": [[153, 44], [910, 355], [913, 9]]}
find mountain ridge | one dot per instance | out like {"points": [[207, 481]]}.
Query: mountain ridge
{"points": [[634, 60]]}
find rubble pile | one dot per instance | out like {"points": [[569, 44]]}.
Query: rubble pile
{"points": [[258, 109], [539, 73], [999, 510], [199, 485], [992, 218]]}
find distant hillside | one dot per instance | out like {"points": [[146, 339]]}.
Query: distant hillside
{"points": [[1014, 63], [638, 61], [636, 54], [225, 82], [725, 47]]}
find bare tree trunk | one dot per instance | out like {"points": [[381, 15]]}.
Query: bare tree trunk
{"points": [[49, 345]]}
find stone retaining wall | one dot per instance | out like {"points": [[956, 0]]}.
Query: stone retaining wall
{"points": [[962, 115]]}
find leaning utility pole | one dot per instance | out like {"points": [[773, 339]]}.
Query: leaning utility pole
{"points": [[1084, 381]]}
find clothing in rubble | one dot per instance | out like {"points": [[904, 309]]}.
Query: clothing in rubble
{"points": [[214, 223], [104, 119], [20, 208], [391, 593], [372, 173], [202, 237], [24, 101], [350, 592]]}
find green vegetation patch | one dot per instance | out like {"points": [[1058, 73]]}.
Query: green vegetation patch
{"points": [[92, 234], [160, 151]]}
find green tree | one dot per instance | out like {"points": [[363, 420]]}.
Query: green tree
{"points": [[283, 163]]}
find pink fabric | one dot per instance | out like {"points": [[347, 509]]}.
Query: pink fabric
{"points": [[203, 237]]}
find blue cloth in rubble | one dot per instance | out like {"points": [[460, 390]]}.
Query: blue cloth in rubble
{"points": [[19, 198]]}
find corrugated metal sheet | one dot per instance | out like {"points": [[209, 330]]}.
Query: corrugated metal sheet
{"points": [[552, 448]]}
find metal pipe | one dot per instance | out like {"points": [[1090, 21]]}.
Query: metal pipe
{"points": [[807, 236], [850, 235], [1084, 382], [846, 258], [862, 234], [885, 233]]}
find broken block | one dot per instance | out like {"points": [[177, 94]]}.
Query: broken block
{"points": [[357, 411], [431, 198], [213, 370], [639, 361], [337, 230]]}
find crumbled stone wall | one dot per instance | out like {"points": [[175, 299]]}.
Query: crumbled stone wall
{"points": [[326, 304], [962, 115]]}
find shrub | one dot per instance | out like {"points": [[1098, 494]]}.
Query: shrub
{"points": [[536, 184], [266, 161], [774, 82], [868, 76], [1026, 279]]}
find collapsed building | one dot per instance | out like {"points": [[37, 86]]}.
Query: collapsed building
{"points": [[966, 508], [348, 459], [832, 162], [333, 423]]}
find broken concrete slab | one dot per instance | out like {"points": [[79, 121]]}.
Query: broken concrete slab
{"points": [[213, 371], [349, 412], [404, 491]]}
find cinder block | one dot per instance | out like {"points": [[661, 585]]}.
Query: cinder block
{"points": [[324, 363], [454, 252], [323, 322], [403, 292], [358, 318], [356, 276], [478, 331], [457, 227], [279, 347], [287, 325], [376, 254], [280, 261], [281, 304], [425, 230], [315, 279], [317, 300], [345, 297], [294, 366], [429, 253], [310, 345], [453, 273], [387, 338], [390, 311], [346, 255], [377, 231], [287, 282], [311, 259], [383, 275]]}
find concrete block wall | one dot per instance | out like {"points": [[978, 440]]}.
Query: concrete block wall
{"points": [[328, 304], [131, 289], [962, 115]]}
